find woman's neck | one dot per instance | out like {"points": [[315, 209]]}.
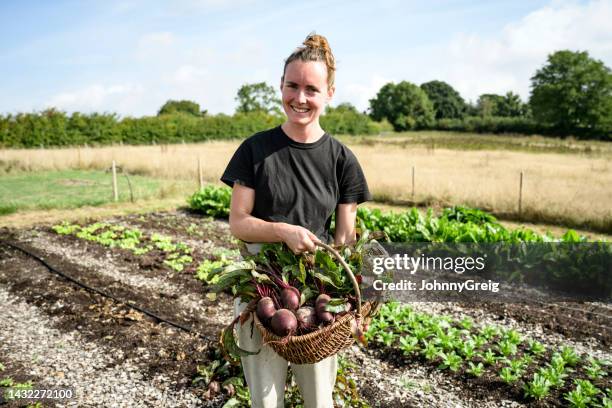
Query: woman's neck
{"points": [[303, 134]]}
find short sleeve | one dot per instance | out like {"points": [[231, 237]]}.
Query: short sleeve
{"points": [[353, 185], [240, 167]]}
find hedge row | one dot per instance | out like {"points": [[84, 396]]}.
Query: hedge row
{"points": [[56, 128], [519, 125]]}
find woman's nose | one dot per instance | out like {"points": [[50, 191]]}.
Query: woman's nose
{"points": [[301, 97]]}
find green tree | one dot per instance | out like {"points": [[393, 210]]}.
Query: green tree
{"points": [[258, 97], [346, 119], [488, 104], [512, 106], [573, 92], [182, 106], [405, 106], [344, 107], [447, 102], [509, 105]]}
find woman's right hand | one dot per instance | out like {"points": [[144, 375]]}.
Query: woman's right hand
{"points": [[297, 238]]}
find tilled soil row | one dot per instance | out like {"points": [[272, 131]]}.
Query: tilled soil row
{"points": [[155, 349], [98, 375], [489, 387], [588, 345], [576, 321], [186, 226], [174, 292], [106, 269], [413, 385]]}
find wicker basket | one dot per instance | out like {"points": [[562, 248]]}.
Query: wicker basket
{"points": [[325, 342]]}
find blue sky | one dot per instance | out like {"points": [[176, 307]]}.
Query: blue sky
{"points": [[131, 56]]}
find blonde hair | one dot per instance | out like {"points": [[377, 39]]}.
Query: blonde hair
{"points": [[315, 48]]}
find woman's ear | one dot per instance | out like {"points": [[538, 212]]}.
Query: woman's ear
{"points": [[330, 92]]}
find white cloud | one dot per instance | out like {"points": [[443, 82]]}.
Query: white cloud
{"points": [[189, 7], [474, 64], [164, 38], [153, 45], [97, 98], [248, 52], [187, 74], [123, 6]]}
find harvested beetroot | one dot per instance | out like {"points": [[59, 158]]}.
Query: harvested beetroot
{"points": [[283, 322], [306, 317], [326, 317], [265, 309], [321, 302], [290, 298]]}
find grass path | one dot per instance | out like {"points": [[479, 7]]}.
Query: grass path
{"points": [[70, 189]]}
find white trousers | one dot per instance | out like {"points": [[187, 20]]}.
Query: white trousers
{"points": [[266, 372]]}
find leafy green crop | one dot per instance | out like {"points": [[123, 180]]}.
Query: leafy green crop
{"points": [[535, 264], [212, 200], [177, 254], [583, 395], [455, 224], [475, 369], [538, 388]]}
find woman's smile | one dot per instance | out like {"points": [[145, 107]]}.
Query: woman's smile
{"points": [[300, 109]]}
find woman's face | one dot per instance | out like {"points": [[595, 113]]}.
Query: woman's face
{"points": [[305, 92]]}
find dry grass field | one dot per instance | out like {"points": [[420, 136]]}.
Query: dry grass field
{"points": [[568, 184]]}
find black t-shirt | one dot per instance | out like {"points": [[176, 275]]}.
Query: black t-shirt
{"points": [[297, 183]]}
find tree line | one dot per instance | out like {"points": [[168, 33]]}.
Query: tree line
{"points": [[570, 95]]}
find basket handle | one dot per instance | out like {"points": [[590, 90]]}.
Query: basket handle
{"points": [[348, 271]]}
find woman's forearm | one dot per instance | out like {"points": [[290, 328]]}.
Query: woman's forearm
{"points": [[346, 215], [253, 229]]}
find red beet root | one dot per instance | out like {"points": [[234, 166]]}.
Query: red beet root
{"points": [[321, 302], [265, 309], [306, 317], [290, 298], [322, 298], [283, 322], [326, 317]]}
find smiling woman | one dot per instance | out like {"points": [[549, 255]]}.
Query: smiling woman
{"points": [[307, 85], [287, 184]]}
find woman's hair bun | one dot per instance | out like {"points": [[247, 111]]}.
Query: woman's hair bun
{"points": [[315, 48], [317, 41]]}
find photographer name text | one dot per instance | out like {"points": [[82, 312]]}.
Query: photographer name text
{"points": [[425, 285]]}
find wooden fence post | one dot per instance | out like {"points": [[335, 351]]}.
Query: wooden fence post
{"points": [[200, 177], [115, 191], [520, 199], [412, 183]]}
